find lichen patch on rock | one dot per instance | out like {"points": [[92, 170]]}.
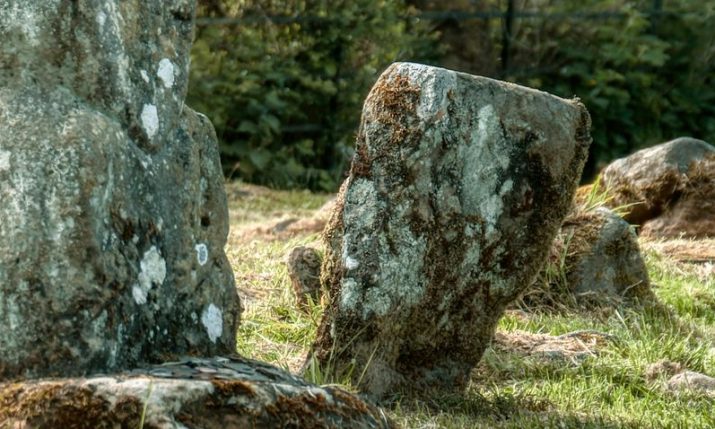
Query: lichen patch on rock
{"points": [[212, 319], [150, 120], [166, 72]]}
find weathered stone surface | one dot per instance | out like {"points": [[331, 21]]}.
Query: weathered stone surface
{"points": [[457, 188], [114, 216], [603, 256], [651, 180], [218, 393], [304, 272]]}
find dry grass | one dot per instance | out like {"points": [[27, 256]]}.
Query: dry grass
{"points": [[601, 377]]}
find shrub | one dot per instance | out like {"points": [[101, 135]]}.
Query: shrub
{"points": [[285, 98]]}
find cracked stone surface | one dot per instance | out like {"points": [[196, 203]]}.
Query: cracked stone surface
{"points": [[456, 191], [112, 207]]}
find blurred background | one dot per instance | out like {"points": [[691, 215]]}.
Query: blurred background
{"points": [[284, 80]]}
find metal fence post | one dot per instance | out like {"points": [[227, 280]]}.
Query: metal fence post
{"points": [[506, 35]]}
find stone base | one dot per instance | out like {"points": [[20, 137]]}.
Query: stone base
{"points": [[194, 393]]}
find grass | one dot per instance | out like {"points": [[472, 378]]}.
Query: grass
{"points": [[508, 389]]}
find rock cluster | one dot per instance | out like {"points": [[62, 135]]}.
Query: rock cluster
{"points": [[457, 188]]}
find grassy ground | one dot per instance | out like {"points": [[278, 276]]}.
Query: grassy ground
{"points": [[608, 386]]}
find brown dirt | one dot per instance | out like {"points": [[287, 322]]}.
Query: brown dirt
{"points": [[683, 250], [284, 227]]}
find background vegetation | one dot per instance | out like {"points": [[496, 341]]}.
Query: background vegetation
{"points": [[283, 80]]}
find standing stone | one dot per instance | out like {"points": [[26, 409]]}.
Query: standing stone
{"points": [[113, 216], [457, 188]]}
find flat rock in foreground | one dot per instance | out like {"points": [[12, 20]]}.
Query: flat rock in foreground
{"points": [[218, 393], [457, 188]]}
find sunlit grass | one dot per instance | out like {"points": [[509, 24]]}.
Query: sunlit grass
{"points": [[609, 389]]}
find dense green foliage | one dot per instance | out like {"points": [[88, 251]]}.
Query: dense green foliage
{"points": [[285, 94], [285, 98], [645, 78]]}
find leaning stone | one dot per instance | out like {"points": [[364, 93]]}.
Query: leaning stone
{"points": [[218, 393], [603, 257], [304, 272], [457, 188], [649, 180], [114, 217]]}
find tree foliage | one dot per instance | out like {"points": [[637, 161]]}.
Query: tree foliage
{"points": [[285, 87], [286, 96]]}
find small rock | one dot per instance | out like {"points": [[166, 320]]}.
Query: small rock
{"points": [[669, 181], [692, 381], [603, 256], [661, 369], [304, 272]]}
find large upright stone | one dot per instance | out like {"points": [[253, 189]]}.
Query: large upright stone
{"points": [[113, 216], [457, 188]]}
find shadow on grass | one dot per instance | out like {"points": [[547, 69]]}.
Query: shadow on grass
{"points": [[503, 410]]}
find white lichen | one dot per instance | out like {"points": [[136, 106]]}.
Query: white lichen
{"points": [[212, 319], [23, 19], [398, 278], [349, 294], [150, 120], [202, 253], [4, 160], [351, 263], [139, 294], [362, 203], [144, 75], [166, 72], [152, 272], [101, 19], [435, 84]]}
